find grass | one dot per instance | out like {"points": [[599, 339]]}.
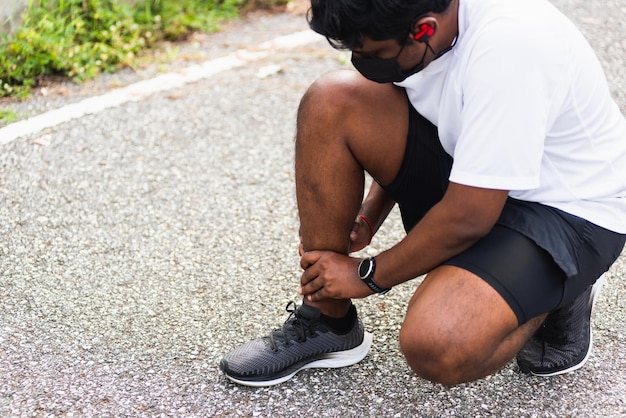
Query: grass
{"points": [[80, 39], [8, 116]]}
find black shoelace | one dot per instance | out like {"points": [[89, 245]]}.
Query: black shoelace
{"points": [[295, 328]]}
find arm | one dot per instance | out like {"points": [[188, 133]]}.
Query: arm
{"points": [[462, 217]]}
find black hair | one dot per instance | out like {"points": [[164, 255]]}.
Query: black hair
{"points": [[346, 22]]}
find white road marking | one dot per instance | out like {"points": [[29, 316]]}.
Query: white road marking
{"points": [[163, 82]]}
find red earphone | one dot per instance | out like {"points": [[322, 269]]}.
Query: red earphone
{"points": [[426, 31]]}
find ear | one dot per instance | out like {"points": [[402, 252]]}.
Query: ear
{"points": [[424, 28]]}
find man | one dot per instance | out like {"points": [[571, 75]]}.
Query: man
{"points": [[490, 124]]}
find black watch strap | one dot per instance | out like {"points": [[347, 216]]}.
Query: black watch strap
{"points": [[367, 268]]}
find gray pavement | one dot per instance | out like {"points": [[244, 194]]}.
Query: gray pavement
{"points": [[145, 241]]}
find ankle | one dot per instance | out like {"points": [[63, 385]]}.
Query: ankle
{"points": [[341, 325], [331, 308]]}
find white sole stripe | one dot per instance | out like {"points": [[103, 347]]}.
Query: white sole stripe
{"points": [[332, 361]]}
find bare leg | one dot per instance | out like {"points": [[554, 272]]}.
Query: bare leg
{"points": [[458, 328], [346, 125]]}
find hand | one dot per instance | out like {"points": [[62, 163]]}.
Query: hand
{"points": [[330, 275], [361, 235]]}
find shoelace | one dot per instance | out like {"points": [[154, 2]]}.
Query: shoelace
{"points": [[295, 328]]}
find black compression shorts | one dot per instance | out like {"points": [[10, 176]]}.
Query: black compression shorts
{"points": [[536, 257]]}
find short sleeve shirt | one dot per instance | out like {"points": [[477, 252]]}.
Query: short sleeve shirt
{"points": [[522, 104]]}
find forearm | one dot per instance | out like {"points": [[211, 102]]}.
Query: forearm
{"points": [[450, 227]]}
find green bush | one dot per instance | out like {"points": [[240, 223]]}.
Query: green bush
{"points": [[81, 38]]}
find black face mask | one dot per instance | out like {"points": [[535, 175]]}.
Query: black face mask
{"points": [[387, 70]]}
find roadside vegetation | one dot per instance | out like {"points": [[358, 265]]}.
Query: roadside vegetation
{"points": [[79, 39]]}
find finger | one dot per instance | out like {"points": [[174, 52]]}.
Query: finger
{"points": [[316, 297], [309, 258], [308, 276], [311, 287], [354, 234]]}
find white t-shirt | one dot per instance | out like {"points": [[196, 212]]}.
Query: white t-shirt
{"points": [[522, 104]]}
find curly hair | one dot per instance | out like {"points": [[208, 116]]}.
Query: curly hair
{"points": [[346, 22]]}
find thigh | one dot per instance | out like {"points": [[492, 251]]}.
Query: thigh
{"points": [[476, 299], [581, 249], [597, 251], [523, 274], [457, 312]]}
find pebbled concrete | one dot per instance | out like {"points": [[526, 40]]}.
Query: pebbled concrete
{"points": [[138, 245]]}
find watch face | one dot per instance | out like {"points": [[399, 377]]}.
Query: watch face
{"points": [[365, 267]]}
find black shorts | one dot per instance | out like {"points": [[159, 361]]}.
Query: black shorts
{"points": [[536, 257]]}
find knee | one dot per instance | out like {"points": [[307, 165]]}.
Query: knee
{"points": [[332, 92], [436, 355], [330, 110], [347, 105]]}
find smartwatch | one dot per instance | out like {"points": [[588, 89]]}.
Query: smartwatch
{"points": [[367, 267]]}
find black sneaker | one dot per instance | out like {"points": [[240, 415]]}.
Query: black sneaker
{"points": [[303, 342], [563, 343]]}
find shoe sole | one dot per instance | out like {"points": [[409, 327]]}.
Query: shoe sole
{"points": [[330, 361], [595, 292]]}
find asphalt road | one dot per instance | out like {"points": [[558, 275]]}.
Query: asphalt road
{"points": [[139, 244]]}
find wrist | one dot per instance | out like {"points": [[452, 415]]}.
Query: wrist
{"points": [[366, 270], [369, 225]]}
